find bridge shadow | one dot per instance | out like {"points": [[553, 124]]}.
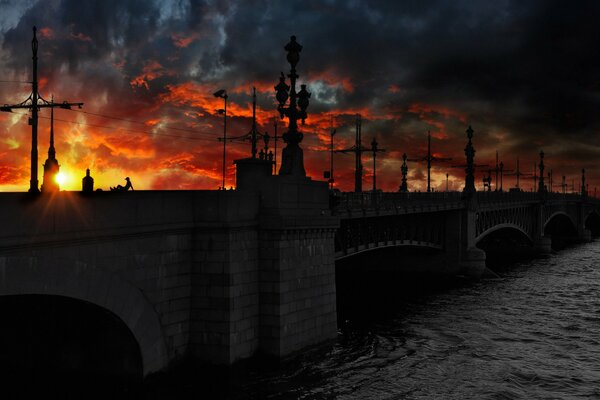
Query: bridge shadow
{"points": [[379, 284], [504, 247], [58, 347], [562, 231], [592, 223]]}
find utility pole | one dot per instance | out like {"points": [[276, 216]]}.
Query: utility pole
{"points": [[519, 174], [534, 177], [541, 186], [357, 149], [34, 102], [496, 181], [429, 158], [331, 179], [446, 181], [358, 168], [222, 93], [254, 131], [375, 150]]}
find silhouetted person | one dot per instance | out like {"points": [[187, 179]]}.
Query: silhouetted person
{"points": [[125, 188], [87, 183], [270, 156]]}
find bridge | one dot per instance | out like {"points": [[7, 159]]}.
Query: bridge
{"points": [[219, 276], [457, 225]]}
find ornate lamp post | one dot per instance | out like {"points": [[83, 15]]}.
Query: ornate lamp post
{"points": [[583, 187], [404, 170], [470, 169], [223, 94], [292, 162], [501, 173], [331, 180], [374, 145], [542, 186]]}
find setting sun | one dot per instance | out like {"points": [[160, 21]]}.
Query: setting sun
{"points": [[61, 178]]}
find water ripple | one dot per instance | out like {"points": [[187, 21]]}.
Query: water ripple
{"points": [[534, 333]]}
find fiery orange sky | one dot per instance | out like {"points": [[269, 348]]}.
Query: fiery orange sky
{"points": [[147, 74]]}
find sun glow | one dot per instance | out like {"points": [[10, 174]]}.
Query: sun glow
{"points": [[61, 178]]}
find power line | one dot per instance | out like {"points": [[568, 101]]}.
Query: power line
{"points": [[25, 82], [125, 129], [138, 122], [130, 130]]}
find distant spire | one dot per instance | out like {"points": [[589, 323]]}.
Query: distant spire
{"points": [[51, 150], [51, 167]]}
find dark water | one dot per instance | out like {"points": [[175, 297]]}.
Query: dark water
{"points": [[534, 333]]}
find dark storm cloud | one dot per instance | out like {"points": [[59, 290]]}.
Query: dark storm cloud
{"points": [[525, 74]]}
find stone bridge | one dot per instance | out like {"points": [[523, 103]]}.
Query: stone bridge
{"points": [[219, 276], [457, 226]]}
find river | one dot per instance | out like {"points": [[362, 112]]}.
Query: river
{"points": [[531, 333]]}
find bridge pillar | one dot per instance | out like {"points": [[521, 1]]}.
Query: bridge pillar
{"points": [[472, 259], [296, 265], [541, 244], [583, 234]]}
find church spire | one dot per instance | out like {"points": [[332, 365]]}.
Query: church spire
{"points": [[51, 150], [51, 166]]}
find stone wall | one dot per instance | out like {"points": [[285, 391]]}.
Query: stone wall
{"points": [[214, 275]]}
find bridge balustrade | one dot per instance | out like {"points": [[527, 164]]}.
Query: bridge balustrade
{"points": [[388, 201], [507, 197]]}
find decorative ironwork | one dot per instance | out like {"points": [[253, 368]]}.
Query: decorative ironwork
{"points": [[470, 169], [292, 157], [541, 185], [404, 170]]}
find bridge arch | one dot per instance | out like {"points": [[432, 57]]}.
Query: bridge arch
{"points": [[499, 227], [592, 222], [556, 218], [23, 275], [379, 246]]}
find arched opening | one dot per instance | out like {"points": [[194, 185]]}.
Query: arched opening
{"points": [[561, 230], [504, 246], [66, 347], [592, 223]]}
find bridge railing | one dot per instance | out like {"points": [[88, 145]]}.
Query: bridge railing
{"points": [[507, 197], [389, 200], [565, 196]]}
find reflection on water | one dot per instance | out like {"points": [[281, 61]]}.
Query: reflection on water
{"points": [[533, 333]]}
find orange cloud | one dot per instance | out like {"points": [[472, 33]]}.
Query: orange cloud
{"points": [[394, 89], [151, 70], [331, 78], [46, 33], [81, 37], [182, 41]]}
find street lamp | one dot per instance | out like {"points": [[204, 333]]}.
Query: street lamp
{"points": [[447, 181], [331, 180], [223, 94], [501, 173], [292, 161]]}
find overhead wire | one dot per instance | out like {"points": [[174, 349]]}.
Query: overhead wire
{"points": [[129, 129]]}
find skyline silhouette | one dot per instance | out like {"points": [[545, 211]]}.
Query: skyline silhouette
{"points": [[148, 75]]}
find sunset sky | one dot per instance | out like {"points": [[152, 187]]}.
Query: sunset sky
{"points": [[524, 74]]}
